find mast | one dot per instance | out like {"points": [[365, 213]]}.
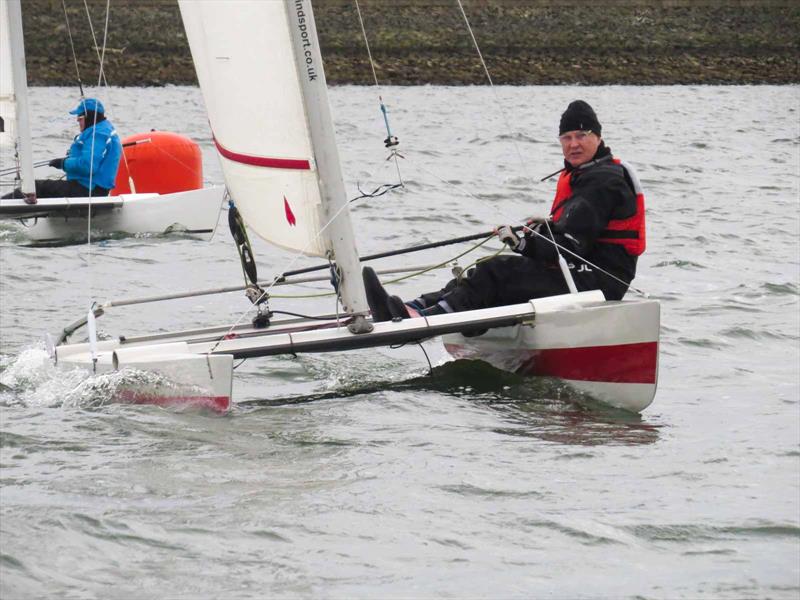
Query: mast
{"points": [[20, 95], [311, 75]]}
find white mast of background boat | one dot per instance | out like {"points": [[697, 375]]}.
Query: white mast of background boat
{"points": [[267, 104], [14, 90]]}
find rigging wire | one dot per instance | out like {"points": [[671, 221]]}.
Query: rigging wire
{"points": [[369, 52], [92, 303], [391, 141], [503, 113], [101, 74], [101, 77], [72, 47]]}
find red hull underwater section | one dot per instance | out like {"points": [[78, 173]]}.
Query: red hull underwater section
{"points": [[219, 404]]}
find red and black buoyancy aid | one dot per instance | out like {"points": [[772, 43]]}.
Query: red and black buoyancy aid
{"points": [[630, 232]]}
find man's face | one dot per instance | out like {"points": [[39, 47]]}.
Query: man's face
{"points": [[81, 121], [579, 146]]}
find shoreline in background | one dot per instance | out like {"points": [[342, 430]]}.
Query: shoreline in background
{"points": [[524, 42]]}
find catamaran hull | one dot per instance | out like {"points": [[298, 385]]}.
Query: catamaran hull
{"points": [[64, 219], [182, 379], [607, 351]]}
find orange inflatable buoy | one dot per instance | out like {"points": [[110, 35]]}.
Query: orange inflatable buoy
{"points": [[159, 161]]}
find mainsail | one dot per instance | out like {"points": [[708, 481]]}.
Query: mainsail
{"points": [[246, 68], [15, 143], [260, 70]]}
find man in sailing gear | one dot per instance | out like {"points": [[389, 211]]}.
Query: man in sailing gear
{"points": [[597, 217], [93, 158], [92, 161]]}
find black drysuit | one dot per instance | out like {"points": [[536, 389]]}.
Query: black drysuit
{"points": [[600, 193]]}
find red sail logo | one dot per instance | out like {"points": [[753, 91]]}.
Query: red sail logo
{"points": [[289, 214]]}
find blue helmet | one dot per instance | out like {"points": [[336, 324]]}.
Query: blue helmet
{"points": [[88, 104]]}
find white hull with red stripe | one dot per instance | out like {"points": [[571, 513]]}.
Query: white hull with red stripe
{"points": [[606, 350]]}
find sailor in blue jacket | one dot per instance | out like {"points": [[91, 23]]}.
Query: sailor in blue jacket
{"points": [[92, 161], [93, 158]]}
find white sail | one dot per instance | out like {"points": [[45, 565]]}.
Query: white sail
{"points": [[260, 69], [15, 138], [246, 68]]}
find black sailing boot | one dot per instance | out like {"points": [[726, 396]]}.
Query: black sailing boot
{"points": [[398, 309], [377, 298]]}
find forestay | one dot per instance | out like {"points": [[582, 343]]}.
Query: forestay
{"points": [[247, 72]]}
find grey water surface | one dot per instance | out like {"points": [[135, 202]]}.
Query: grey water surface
{"points": [[361, 475]]}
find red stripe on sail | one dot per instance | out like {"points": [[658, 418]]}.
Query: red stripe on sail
{"points": [[263, 161], [621, 363], [289, 214]]}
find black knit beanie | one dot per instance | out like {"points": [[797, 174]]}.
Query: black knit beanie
{"points": [[579, 116]]}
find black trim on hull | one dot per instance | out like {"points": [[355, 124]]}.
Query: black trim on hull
{"points": [[30, 211]]}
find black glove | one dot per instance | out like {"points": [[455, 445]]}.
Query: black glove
{"points": [[57, 163], [510, 239]]}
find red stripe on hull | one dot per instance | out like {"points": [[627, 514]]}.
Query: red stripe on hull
{"points": [[264, 161], [624, 363], [216, 403], [621, 363]]}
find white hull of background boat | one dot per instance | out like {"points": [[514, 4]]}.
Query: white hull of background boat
{"points": [[63, 219], [608, 350]]}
